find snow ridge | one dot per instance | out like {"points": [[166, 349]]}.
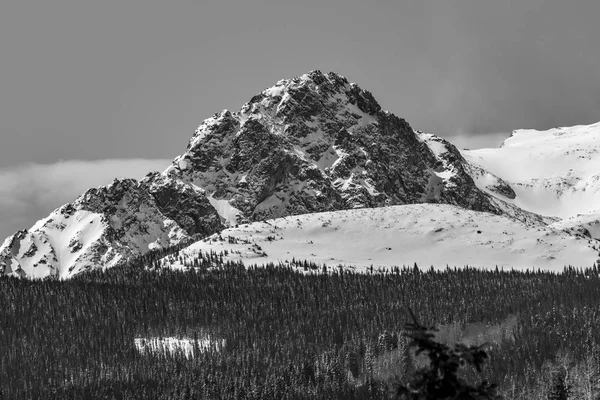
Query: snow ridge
{"points": [[553, 173], [437, 235]]}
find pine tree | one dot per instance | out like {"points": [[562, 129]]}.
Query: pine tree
{"points": [[439, 379], [560, 389]]}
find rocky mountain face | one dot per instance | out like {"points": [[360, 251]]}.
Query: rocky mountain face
{"points": [[319, 143], [107, 225], [308, 144]]}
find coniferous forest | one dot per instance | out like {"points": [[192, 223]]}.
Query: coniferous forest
{"points": [[302, 332]]}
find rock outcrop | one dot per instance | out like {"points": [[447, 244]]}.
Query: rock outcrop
{"points": [[319, 143]]}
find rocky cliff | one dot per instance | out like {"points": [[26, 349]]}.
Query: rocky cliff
{"points": [[319, 143]]}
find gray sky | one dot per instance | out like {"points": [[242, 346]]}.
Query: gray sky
{"points": [[131, 79]]}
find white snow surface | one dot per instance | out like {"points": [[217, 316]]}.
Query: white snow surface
{"points": [[58, 245], [173, 345], [590, 222], [428, 234], [442, 178], [228, 213], [553, 173], [72, 239]]}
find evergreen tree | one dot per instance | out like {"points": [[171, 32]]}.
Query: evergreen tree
{"points": [[560, 389], [439, 379]]}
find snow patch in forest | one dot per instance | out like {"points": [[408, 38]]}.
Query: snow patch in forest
{"points": [[172, 345]]}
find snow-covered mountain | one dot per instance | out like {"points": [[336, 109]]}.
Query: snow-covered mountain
{"points": [[315, 143], [554, 173], [318, 143], [107, 225]]}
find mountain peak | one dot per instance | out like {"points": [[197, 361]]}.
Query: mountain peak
{"points": [[315, 143], [294, 102], [308, 144], [317, 78]]}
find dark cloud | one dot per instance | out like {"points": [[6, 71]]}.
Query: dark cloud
{"points": [[114, 79], [517, 64]]}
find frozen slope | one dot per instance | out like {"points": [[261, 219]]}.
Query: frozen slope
{"points": [[56, 245], [107, 225], [73, 239], [428, 234], [554, 172], [589, 223]]}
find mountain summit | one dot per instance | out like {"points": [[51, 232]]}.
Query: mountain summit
{"points": [[309, 144], [319, 143]]}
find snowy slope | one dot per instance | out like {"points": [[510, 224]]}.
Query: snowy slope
{"points": [[73, 239], [554, 172], [588, 224], [427, 234], [107, 225], [43, 252]]}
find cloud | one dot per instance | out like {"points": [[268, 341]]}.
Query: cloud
{"points": [[32, 191]]}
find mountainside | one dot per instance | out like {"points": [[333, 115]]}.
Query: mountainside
{"points": [[318, 143], [554, 173], [315, 143], [107, 225], [428, 234]]}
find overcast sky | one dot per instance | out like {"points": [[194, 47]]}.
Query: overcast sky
{"points": [[132, 79]]}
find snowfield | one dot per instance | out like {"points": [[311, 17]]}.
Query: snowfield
{"points": [[172, 345], [553, 173], [428, 234], [57, 246]]}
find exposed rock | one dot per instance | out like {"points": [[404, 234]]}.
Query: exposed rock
{"points": [[318, 143]]}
